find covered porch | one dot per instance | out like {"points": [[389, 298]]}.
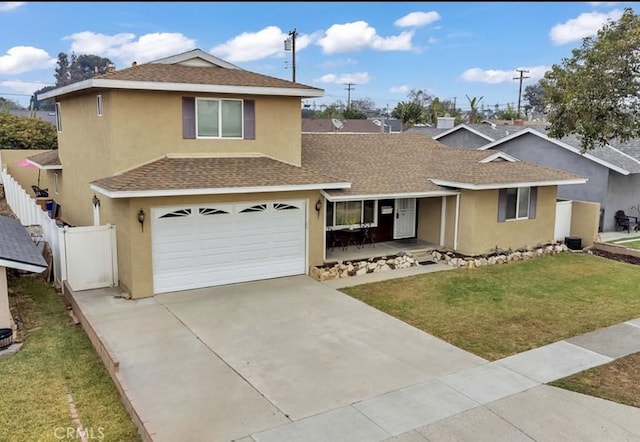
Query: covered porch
{"points": [[386, 226], [412, 246]]}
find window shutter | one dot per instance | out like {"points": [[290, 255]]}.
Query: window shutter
{"points": [[502, 205], [188, 117], [249, 119], [533, 200]]}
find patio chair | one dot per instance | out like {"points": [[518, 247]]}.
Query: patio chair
{"points": [[335, 238], [626, 222], [366, 235], [40, 193]]}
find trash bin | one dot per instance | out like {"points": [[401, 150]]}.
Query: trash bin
{"points": [[49, 205], [573, 242], [6, 338]]}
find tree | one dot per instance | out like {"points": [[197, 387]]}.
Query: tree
{"points": [[409, 112], [7, 104], [595, 94], [26, 133], [353, 114], [474, 116], [507, 114], [534, 96], [81, 67], [45, 105]]}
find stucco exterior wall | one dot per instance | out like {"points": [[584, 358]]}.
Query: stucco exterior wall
{"points": [[623, 193], [450, 222], [25, 176], [429, 217], [533, 149], [141, 126], [480, 232], [134, 245], [464, 139], [584, 221]]}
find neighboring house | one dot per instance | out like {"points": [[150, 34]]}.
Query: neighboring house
{"points": [[613, 172], [17, 251], [473, 136], [204, 170], [44, 115], [341, 126]]}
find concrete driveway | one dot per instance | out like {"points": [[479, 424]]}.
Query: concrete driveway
{"points": [[226, 362]]}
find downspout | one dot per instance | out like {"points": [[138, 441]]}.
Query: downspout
{"points": [[455, 233], [443, 219]]}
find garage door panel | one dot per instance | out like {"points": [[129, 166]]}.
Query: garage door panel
{"points": [[206, 245]]}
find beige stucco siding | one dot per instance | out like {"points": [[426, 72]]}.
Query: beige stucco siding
{"points": [[585, 217], [429, 219], [480, 232], [26, 176], [141, 126], [135, 261], [450, 223]]}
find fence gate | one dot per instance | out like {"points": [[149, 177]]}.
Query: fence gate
{"points": [[90, 256], [563, 220]]}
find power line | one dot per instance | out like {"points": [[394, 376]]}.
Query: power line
{"points": [[521, 78], [349, 89]]}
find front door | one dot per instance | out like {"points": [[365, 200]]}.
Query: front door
{"points": [[404, 225]]}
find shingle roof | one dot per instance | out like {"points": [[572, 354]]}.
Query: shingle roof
{"points": [[404, 163], [189, 173], [326, 125], [176, 73], [17, 248], [47, 160]]}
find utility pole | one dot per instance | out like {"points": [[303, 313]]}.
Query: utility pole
{"points": [[349, 89], [454, 104], [521, 78], [290, 45]]}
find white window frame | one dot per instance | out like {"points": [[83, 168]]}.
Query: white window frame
{"points": [[220, 101], [519, 201], [55, 183], [99, 106], [360, 221], [58, 117]]}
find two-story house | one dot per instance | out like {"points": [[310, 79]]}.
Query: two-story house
{"points": [[203, 168]]}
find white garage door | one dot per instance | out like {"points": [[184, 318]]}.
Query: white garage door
{"points": [[213, 244]]}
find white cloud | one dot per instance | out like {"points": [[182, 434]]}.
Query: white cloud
{"points": [[585, 25], [493, 76], [10, 6], [597, 4], [417, 19], [21, 59], [267, 42], [399, 89], [24, 87], [351, 37], [126, 48], [355, 78]]}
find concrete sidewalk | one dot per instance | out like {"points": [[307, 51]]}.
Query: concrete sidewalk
{"points": [[505, 400], [292, 359]]}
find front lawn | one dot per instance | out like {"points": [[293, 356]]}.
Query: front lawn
{"points": [[55, 374], [632, 242], [500, 310]]}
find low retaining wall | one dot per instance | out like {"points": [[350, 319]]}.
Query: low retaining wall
{"points": [[616, 251], [346, 269], [108, 359]]}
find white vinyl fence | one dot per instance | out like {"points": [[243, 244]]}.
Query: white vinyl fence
{"points": [[563, 219], [85, 257]]}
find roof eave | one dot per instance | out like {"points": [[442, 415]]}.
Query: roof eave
{"points": [[380, 196], [29, 267], [494, 186], [216, 190], [104, 83]]}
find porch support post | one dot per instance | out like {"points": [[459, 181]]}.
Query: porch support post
{"points": [[455, 233], [443, 219]]}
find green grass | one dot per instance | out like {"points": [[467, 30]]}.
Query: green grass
{"points": [[501, 310], [56, 360], [632, 242], [617, 381]]}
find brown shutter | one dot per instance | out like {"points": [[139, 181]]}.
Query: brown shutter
{"points": [[249, 119], [188, 117], [502, 205]]}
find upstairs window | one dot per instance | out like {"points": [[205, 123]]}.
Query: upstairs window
{"points": [[58, 117], [218, 118], [99, 105]]}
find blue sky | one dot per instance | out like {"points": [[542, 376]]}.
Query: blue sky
{"points": [[384, 49]]}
